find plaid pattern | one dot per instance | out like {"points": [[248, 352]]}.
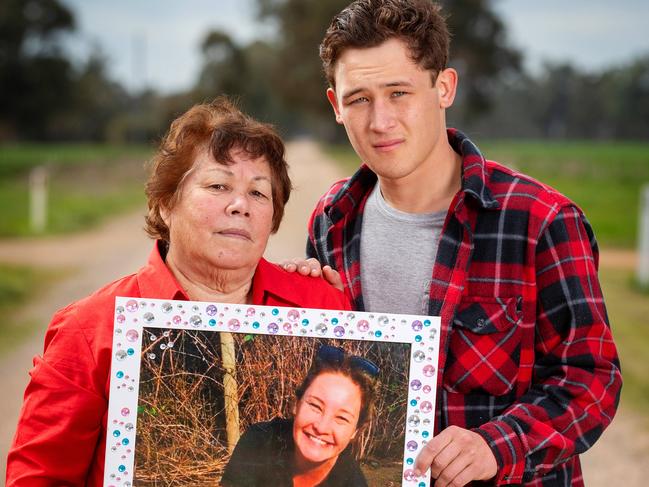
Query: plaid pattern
{"points": [[527, 358]]}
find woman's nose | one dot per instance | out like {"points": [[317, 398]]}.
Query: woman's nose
{"points": [[238, 205], [322, 425]]}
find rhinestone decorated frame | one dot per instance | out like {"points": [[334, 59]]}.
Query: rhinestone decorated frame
{"points": [[133, 314]]}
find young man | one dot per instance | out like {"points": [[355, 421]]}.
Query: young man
{"points": [[529, 375]]}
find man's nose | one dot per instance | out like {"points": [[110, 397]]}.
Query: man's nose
{"points": [[382, 116]]}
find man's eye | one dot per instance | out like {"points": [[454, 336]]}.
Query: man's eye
{"points": [[217, 186], [397, 94], [359, 100]]}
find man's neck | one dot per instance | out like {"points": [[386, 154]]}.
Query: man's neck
{"points": [[429, 189]]}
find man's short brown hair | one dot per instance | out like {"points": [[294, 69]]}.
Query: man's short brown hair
{"points": [[368, 23], [220, 127]]}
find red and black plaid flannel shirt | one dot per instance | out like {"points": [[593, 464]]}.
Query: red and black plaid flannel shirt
{"points": [[527, 359]]}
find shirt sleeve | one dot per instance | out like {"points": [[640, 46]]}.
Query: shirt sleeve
{"points": [[576, 378], [60, 424]]}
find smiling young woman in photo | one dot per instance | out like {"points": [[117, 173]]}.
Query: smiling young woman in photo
{"points": [[314, 448]]}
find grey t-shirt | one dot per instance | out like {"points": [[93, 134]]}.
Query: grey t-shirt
{"points": [[398, 251]]}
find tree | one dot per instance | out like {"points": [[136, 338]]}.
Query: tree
{"points": [[479, 51], [35, 78], [224, 66]]}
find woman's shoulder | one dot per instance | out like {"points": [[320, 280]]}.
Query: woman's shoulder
{"points": [[274, 427], [275, 286]]}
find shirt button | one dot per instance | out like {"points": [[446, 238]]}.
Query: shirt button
{"points": [[480, 322]]}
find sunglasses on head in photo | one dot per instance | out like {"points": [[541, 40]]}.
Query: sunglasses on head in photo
{"points": [[336, 355]]}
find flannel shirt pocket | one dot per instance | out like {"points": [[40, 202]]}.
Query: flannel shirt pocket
{"points": [[485, 346]]}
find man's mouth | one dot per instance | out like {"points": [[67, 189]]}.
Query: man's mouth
{"points": [[387, 145]]}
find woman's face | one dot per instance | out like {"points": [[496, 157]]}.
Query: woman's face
{"points": [[223, 217], [326, 418]]}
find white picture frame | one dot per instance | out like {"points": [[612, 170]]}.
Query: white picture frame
{"points": [[135, 316]]}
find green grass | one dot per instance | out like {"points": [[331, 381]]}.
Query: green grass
{"points": [[628, 308], [603, 178], [19, 284], [86, 183], [17, 159]]}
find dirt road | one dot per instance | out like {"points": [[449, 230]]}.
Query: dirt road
{"points": [[120, 247]]}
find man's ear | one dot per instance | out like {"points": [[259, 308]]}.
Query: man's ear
{"points": [[446, 84], [333, 101]]}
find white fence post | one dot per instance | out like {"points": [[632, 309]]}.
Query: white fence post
{"points": [[38, 199], [643, 239]]}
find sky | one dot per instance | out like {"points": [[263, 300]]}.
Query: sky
{"points": [[155, 43]]}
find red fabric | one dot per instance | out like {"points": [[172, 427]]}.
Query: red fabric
{"points": [[60, 439]]}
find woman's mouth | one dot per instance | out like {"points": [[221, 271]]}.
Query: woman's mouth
{"points": [[235, 233], [317, 440]]}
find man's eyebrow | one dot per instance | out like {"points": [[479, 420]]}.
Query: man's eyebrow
{"points": [[391, 84]]}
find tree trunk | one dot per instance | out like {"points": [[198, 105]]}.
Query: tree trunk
{"points": [[231, 398]]}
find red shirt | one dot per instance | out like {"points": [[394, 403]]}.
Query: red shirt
{"points": [[62, 426], [526, 356]]}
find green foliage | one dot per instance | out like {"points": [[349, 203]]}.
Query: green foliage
{"points": [[562, 102], [628, 309], [35, 78], [18, 284], [86, 184], [603, 178], [18, 159], [480, 52], [478, 48]]}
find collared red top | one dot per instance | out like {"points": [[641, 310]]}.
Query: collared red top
{"points": [[60, 439], [527, 359]]}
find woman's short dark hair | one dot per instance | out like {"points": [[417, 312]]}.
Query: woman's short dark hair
{"points": [[369, 23], [347, 367], [220, 127]]}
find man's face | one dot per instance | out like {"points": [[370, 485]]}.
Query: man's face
{"points": [[393, 112]]}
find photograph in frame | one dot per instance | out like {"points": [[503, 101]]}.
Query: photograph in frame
{"points": [[193, 382]]}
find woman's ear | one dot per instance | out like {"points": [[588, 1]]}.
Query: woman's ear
{"points": [[165, 214]]}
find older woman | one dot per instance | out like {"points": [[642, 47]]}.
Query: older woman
{"points": [[216, 192], [314, 448]]}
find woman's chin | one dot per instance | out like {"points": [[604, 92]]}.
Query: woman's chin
{"points": [[315, 451]]}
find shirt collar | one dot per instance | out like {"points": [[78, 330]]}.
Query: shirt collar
{"points": [[474, 180], [474, 169], [270, 279], [155, 280]]}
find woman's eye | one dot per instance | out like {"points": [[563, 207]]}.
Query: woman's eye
{"points": [[343, 419], [315, 406], [258, 194]]}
